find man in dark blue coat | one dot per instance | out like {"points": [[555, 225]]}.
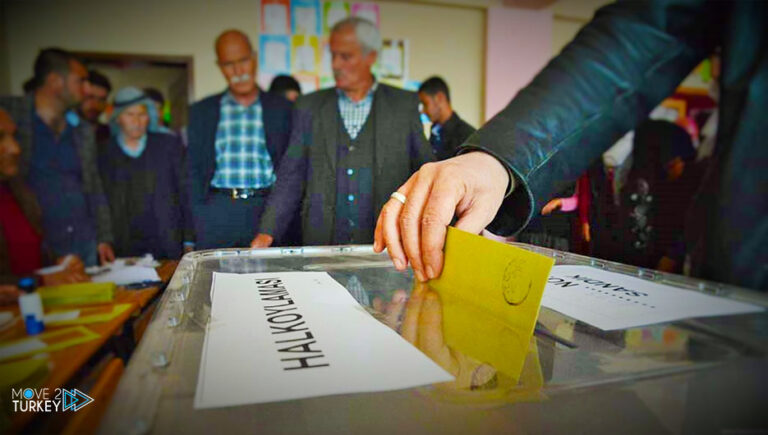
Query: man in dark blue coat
{"points": [[236, 141]]}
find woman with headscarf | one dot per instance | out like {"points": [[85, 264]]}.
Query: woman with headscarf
{"points": [[145, 181]]}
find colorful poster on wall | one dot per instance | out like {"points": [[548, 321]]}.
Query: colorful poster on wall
{"points": [[325, 60], [393, 62], [274, 17], [305, 17], [275, 54], [369, 11], [305, 52], [333, 12]]}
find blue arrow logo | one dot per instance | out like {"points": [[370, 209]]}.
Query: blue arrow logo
{"points": [[74, 399]]}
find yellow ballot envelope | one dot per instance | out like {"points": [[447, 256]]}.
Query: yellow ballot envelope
{"points": [[491, 293]]}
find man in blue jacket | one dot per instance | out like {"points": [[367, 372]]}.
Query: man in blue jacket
{"points": [[622, 64], [236, 140]]}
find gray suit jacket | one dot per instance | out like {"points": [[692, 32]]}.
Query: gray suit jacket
{"points": [[20, 109], [306, 179]]}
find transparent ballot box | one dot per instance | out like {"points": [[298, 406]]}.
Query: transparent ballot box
{"points": [[703, 375]]}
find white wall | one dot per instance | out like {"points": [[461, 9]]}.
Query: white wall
{"points": [[4, 66], [444, 39], [519, 42], [167, 27], [569, 17], [448, 41]]}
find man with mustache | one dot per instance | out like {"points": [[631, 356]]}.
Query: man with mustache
{"points": [[350, 147], [58, 158], [236, 140]]}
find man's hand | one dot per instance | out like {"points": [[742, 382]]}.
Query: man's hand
{"points": [[262, 240], [391, 310], [74, 272], [471, 186], [106, 254], [74, 263]]}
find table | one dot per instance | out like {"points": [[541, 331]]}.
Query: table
{"points": [[63, 364], [692, 376]]}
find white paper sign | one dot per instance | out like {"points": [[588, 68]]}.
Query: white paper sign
{"points": [[611, 301], [291, 335]]}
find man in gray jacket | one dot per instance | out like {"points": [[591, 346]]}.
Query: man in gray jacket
{"points": [[58, 158], [351, 146]]}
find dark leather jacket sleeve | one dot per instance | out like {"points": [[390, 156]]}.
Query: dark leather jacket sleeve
{"points": [[618, 68]]}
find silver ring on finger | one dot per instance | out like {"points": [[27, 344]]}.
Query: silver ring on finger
{"points": [[398, 196]]}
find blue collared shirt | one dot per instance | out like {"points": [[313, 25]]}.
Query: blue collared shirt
{"points": [[354, 114], [436, 136], [242, 158]]}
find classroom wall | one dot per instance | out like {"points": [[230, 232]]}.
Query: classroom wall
{"points": [[519, 43], [444, 39], [5, 84], [569, 16]]}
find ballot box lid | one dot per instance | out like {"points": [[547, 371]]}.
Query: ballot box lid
{"points": [[691, 375]]}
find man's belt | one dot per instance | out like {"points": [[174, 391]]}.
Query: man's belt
{"points": [[242, 193]]}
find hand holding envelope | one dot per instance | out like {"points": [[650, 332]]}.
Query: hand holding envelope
{"points": [[490, 293]]}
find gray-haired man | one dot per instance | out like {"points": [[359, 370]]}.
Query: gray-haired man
{"points": [[350, 147]]}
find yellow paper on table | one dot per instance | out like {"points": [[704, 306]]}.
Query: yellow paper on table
{"points": [[30, 372], [46, 342], [491, 293], [77, 294], [85, 315]]}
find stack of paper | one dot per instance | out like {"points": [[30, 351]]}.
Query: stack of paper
{"points": [[128, 275]]}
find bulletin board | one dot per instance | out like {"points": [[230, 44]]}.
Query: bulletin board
{"points": [[294, 40]]}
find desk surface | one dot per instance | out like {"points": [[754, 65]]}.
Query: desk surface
{"points": [[63, 364], [696, 375]]}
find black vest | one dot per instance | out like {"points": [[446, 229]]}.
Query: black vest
{"points": [[355, 162]]}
